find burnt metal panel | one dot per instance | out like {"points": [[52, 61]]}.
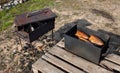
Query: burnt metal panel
{"points": [[30, 17], [83, 49], [41, 30]]}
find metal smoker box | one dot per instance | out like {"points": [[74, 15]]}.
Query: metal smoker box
{"points": [[83, 49], [31, 25]]}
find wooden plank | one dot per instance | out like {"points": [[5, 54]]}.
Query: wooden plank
{"points": [[77, 61], [110, 65], [111, 57], [34, 70], [114, 58], [45, 67], [61, 43], [65, 66]]}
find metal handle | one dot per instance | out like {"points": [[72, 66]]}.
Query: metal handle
{"points": [[36, 13]]}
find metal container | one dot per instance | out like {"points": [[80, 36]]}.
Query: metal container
{"points": [[31, 25], [83, 49]]}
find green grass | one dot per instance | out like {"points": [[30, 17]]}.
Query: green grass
{"points": [[7, 16]]}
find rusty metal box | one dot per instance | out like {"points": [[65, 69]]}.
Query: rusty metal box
{"points": [[31, 25], [83, 49]]}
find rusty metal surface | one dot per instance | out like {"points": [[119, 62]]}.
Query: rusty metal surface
{"points": [[86, 50], [30, 17]]}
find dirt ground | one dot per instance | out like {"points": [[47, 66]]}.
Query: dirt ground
{"points": [[103, 15]]}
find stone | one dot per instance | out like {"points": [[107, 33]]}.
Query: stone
{"points": [[20, 1], [16, 2], [0, 6], [10, 4], [26, 53], [48, 39], [19, 70], [14, 51]]}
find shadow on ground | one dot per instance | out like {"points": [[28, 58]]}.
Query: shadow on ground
{"points": [[114, 42]]}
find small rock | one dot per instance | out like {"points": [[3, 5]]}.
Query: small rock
{"points": [[20, 1], [9, 5], [19, 70], [33, 58], [26, 53], [0, 6], [14, 51], [15, 2], [48, 40], [44, 41]]}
